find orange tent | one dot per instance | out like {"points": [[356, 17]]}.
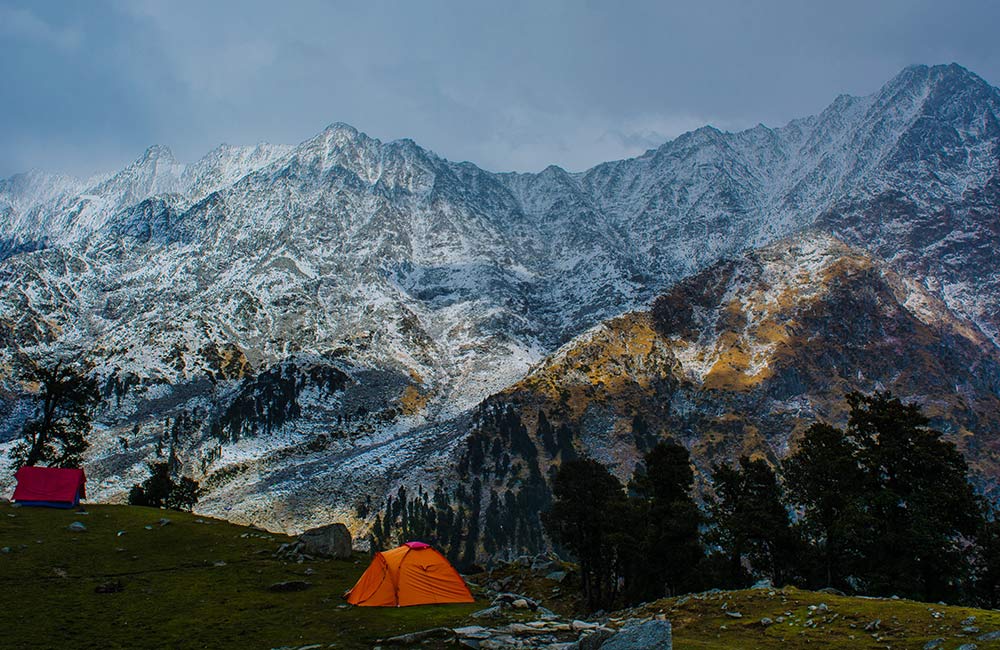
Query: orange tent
{"points": [[413, 574]]}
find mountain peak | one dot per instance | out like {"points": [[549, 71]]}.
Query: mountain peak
{"points": [[341, 129], [921, 76], [157, 153]]}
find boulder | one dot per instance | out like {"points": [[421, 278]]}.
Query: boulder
{"points": [[333, 541], [593, 640], [489, 612], [77, 527], [291, 585], [651, 635]]}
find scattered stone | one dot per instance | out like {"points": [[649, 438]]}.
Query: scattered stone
{"points": [[489, 612], [511, 600], [734, 614], [5, 549], [110, 587], [77, 527], [119, 533], [472, 632], [147, 527], [219, 563], [762, 584], [968, 621], [593, 640], [873, 625], [651, 635], [542, 566], [579, 626], [989, 636], [967, 646], [558, 576], [333, 540], [414, 638], [822, 608], [291, 585], [934, 644], [970, 629], [164, 522], [833, 591], [766, 621]]}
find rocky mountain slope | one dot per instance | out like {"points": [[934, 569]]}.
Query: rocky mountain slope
{"points": [[735, 360], [306, 328]]}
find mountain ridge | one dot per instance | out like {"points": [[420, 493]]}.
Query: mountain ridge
{"points": [[303, 325]]}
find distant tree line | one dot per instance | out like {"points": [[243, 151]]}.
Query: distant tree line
{"points": [[882, 507]]}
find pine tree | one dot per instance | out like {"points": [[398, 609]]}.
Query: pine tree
{"points": [[57, 435], [919, 502], [666, 552], [586, 518], [824, 477], [751, 524]]}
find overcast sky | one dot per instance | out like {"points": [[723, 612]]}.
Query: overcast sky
{"points": [[85, 87]]}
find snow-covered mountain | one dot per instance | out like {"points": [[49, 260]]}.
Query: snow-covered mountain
{"points": [[304, 326]]}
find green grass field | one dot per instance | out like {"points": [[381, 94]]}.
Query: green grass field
{"points": [[185, 585], [204, 585], [703, 622]]}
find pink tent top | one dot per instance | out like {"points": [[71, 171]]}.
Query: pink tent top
{"points": [[50, 484], [417, 545]]}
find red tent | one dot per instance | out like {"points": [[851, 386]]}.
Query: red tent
{"points": [[54, 487]]}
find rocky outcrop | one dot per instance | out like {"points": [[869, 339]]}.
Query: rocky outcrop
{"points": [[333, 540]]}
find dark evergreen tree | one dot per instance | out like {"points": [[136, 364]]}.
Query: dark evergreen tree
{"points": [[586, 519], [160, 490], [986, 563], [665, 553], [823, 476], [57, 434], [920, 505], [751, 525]]}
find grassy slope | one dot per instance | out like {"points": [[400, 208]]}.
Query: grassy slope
{"points": [[174, 594], [701, 622]]}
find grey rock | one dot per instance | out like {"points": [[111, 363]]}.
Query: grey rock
{"points": [[77, 527], [967, 646], [592, 640], [833, 591], [763, 584], [873, 625], [333, 541], [734, 614], [489, 612], [412, 638], [766, 621], [164, 522], [934, 644], [968, 621], [289, 586], [558, 576], [989, 636], [651, 635]]}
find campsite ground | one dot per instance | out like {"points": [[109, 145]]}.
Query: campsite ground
{"points": [[205, 585], [184, 585]]}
